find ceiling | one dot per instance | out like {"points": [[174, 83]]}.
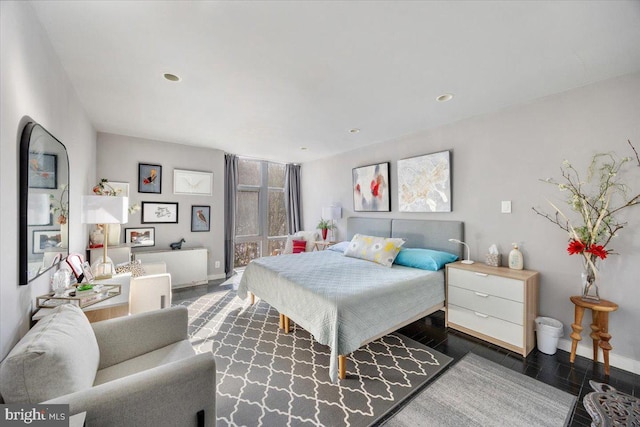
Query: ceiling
{"points": [[266, 78]]}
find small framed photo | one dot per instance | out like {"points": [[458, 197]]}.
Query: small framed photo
{"points": [[200, 218], [149, 178], [141, 236], [43, 170], [45, 239], [192, 182], [159, 213]]}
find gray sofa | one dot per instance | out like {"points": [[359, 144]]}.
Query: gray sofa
{"points": [[139, 370]]}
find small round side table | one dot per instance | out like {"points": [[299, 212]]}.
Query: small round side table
{"points": [[599, 327]]}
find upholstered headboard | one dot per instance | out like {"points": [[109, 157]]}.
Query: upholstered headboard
{"points": [[417, 233]]}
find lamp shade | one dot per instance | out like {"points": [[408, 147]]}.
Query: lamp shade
{"points": [[332, 212], [104, 210]]}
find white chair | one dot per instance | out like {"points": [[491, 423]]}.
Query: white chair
{"points": [[151, 291]]}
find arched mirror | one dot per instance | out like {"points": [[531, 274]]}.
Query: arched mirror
{"points": [[44, 202]]}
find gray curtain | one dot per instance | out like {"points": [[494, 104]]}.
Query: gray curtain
{"points": [[230, 188], [292, 197]]}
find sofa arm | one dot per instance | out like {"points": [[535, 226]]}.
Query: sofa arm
{"points": [[168, 395], [124, 338]]}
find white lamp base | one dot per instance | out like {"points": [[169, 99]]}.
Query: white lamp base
{"points": [[467, 261]]}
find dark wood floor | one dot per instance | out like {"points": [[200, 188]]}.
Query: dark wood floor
{"points": [[553, 370]]}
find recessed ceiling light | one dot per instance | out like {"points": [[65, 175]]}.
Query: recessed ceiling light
{"points": [[303, 148], [445, 97], [171, 77], [354, 130]]}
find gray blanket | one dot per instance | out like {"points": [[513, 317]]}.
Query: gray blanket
{"points": [[342, 301]]}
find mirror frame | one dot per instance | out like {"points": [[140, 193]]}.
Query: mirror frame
{"points": [[25, 149]]}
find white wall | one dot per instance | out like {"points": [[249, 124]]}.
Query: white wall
{"points": [[118, 158], [34, 84], [502, 156]]}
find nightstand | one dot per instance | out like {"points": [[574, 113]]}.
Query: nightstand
{"points": [[496, 304], [320, 245]]}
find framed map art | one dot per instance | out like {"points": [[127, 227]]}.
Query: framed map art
{"points": [[424, 183]]}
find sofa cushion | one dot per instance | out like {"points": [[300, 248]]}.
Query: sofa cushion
{"points": [[59, 355], [153, 359]]}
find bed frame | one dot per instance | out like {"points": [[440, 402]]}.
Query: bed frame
{"points": [[417, 233]]}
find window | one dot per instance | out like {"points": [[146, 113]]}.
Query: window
{"points": [[261, 217]]}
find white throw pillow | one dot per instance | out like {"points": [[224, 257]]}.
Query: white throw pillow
{"points": [[58, 356]]}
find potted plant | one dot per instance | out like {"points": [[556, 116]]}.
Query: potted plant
{"points": [[325, 225]]}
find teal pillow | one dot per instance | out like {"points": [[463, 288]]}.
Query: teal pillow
{"points": [[425, 259]]}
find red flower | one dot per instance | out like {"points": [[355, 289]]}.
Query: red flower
{"points": [[598, 250], [575, 247]]}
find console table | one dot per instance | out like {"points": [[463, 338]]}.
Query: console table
{"points": [[188, 266]]}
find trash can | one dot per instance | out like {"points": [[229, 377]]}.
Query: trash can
{"points": [[548, 331]]}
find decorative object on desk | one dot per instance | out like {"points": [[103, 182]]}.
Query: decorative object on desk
{"points": [[424, 183], [43, 170], [468, 260], [371, 188], [331, 213], [192, 182], [493, 257], [104, 210], [597, 201], [141, 236], [96, 237], [44, 240], [177, 245], [75, 262], [516, 260], [200, 216], [159, 213], [149, 178], [61, 281], [324, 226]]}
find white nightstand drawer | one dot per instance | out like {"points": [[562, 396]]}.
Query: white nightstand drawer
{"points": [[487, 284], [487, 325], [501, 308]]}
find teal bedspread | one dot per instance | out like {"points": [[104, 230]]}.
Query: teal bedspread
{"points": [[343, 302]]}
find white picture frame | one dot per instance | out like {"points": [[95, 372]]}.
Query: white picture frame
{"points": [[192, 182]]}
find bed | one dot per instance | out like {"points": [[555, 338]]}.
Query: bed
{"points": [[347, 302]]}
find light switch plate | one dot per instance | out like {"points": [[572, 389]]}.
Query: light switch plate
{"points": [[506, 206]]}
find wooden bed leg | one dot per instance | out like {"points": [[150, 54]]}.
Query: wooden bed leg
{"points": [[286, 324], [253, 299], [342, 367], [281, 325]]}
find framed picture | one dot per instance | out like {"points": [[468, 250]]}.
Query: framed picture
{"points": [[371, 188], [45, 239], [141, 236], [424, 183], [43, 170], [192, 182], [149, 178], [200, 218], [159, 213]]}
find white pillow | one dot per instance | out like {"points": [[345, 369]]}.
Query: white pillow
{"points": [[58, 356], [380, 250]]}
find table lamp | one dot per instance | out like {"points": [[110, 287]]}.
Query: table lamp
{"points": [[104, 210], [332, 213], [468, 260]]}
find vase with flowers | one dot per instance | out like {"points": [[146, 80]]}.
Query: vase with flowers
{"points": [[598, 199], [60, 211]]}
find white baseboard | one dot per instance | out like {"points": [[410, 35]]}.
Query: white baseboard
{"points": [[616, 360], [216, 276]]}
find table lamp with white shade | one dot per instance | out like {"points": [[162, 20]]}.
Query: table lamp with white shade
{"points": [[332, 213], [104, 210]]}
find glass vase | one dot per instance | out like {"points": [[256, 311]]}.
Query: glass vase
{"points": [[590, 282]]}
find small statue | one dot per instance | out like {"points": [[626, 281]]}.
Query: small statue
{"points": [[177, 245]]}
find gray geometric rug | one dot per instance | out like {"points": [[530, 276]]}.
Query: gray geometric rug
{"points": [[268, 378], [478, 392]]}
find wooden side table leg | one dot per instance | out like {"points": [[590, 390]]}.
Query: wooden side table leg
{"points": [[577, 329], [286, 325], [604, 340], [281, 325], [253, 299], [595, 333]]}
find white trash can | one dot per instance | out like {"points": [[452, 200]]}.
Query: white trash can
{"points": [[548, 331]]}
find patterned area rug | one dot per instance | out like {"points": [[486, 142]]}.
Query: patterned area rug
{"points": [[269, 378]]}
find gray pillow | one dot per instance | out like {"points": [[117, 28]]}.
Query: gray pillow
{"points": [[59, 355]]}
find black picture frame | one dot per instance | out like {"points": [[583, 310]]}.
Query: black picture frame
{"points": [[200, 218], [140, 236], [371, 188], [149, 178], [159, 213], [43, 170]]}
